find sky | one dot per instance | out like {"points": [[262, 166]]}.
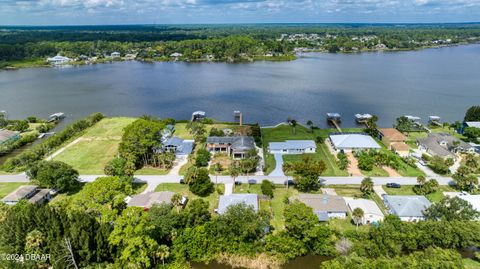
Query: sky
{"points": [[88, 12]]}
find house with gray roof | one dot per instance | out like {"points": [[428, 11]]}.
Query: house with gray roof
{"points": [[178, 146], [346, 142], [407, 207], [235, 146], [147, 200], [443, 145], [324, 206], [225, 201], [31, 193], [292, 147], [7, 136]]}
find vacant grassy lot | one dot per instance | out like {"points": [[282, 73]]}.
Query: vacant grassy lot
{"points": [[182, 189], [285, 132], [97, 146], [346, 190], [408, 190], [8, 187], [151, 171]]}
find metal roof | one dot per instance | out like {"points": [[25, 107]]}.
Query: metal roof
{"points": [[475, 124], [407, 206], [368, 206], [234, 199], [292, 144], [353, 141]]}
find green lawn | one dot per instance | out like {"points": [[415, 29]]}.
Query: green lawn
{"points": [[408, 190], [471, 264], [98, 146], [184, 191], [285, 132], [346, 190], [8, 187], [376, 172], [151, 171], [345, 225]]}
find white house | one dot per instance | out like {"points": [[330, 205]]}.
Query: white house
{"points": [[115, 54], [371, 211], [225, 201], [292, 147], [352, 141], [57, 60], [408, 208]]}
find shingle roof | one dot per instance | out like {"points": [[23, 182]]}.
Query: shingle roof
{"points": [[393, 134], [40, 195], [234, 199], [322, 202], [407, 206], [22, 192], [292, 144], [6, 135], [148, 199], [353, 141], [432, 142]]}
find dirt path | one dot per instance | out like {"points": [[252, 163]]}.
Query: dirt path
{"points": [[353, 169], [391, 172]]}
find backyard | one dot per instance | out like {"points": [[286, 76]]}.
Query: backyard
{"points": [[90, 153], [182, 189]]}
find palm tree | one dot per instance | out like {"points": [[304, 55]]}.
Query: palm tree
{"points": [[234, 170], [286, 168], [217, 167], [310, 124], [177, 201], [163, 252], [366, 186], [357, 215], [294, 125]]}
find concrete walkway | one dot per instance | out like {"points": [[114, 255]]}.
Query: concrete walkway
{"points": [[179, 162], [228, 188], [278, 172], [378, 189]]}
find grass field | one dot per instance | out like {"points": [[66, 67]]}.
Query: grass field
{"points": [[8, 187], [285, 132], [151, 171], [97, 146], [471, 264], [346, 190], [182, 189], [408, 190]]}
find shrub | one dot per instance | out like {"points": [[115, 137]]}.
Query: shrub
{"points": [[267, 188], [201, 184], [202, 158]]}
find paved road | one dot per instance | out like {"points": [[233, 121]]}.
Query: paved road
{"points": [[153, 181]]}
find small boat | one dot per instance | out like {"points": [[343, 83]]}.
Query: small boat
{"points": [[413, 118], [360, 118]]}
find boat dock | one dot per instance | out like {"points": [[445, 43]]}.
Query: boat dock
{"points": [[434, 120], [198, 115], [56, 116], [335, 119]]}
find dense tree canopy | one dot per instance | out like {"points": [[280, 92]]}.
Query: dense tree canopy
{"points": [[56, 175]]}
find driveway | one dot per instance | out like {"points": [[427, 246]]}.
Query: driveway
{"points": [[378, 189], [278, 172]]}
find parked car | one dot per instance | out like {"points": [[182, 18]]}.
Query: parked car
{"points": [[290, 182], [238, 183], [252, 181], [394, 185]]}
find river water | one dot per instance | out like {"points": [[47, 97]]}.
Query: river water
{"points": [[443, 82]]}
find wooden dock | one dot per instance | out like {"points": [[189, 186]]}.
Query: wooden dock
{"points": [[335, 123]]}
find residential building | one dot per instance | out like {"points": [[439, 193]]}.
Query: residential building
{"points": [[178, 146], [57, 60], [407, 208], [235, 146], [474, 124], [474, 200], [147, 200], [394, 140], [225, 201], [443, 145], [346, 142], [28, 192], [115, 55], [292, 147], [8, 136], [371, 211], [324, 206]]}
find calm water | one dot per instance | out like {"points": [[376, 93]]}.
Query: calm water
{"points": [[442, 81]]}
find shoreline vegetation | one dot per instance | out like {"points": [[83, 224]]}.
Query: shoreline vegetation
{"points": [[28, 47]]}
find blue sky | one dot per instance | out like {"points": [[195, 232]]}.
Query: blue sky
{"points": [[69, 12]]}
